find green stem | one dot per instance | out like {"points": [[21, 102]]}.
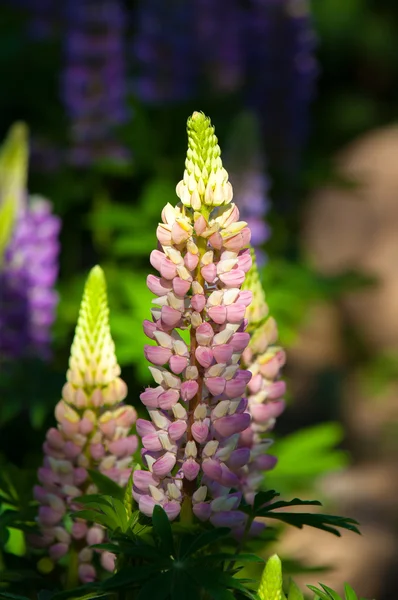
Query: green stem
{"points": [[72, 579]]}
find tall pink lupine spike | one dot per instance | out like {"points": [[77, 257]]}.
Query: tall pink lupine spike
{"points": [[196, 409], [265, 390], [93, 432]]}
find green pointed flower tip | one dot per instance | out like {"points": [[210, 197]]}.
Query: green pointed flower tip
{"points": [[271, 580], [93, 375], [205, 181], [13, 176], [258, 308]]}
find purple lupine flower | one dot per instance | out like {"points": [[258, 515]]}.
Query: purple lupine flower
{"points": [[197, 409], [164, 51], [93, 432], [281, 71], [245, 160], [94, 79], [27, 278], [28, 257]]}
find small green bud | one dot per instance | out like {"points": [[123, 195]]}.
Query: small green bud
{"points": [[271, 580], [93, 360], [258, 308], [13, 177]]}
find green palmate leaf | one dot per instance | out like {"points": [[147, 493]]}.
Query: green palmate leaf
{"points": [[271, 580], [206, 538], [93, 516], [156, 588], [262, 498], [226, 556], [129, 576], [162, 528], [181, 585], [294, 592], [106, 485], [8, 596], [349, 593], [326, 594]]}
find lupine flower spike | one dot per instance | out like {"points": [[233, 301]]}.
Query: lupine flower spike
{"points": [[93, 432], [264, 360], [196, 409], [28, 257]]}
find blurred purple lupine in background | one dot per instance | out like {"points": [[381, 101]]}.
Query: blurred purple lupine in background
{"points": [[245, 163], [29, 258], [163, 51], [94, 80], [281, 72]]}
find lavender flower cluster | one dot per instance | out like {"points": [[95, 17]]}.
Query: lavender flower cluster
{"points": [[94, 81], [29, 264], [93, 431], [200, 427]]}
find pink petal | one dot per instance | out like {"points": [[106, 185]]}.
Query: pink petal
{"points": [[245, 297], [177, 429], [245, 260], [233, 278], [79, 530], [178, 234], [200, 225], [202, 510], [170, 317], [163, 235], [200, 431], [255, 383], [209, 272], [86, 573], [239, 341], [163, 465], [168, 269], [178, 363], [191, 261], [152, 442], [223, 352], [143, 479], [97, 451], [218, 314], [216, 241], [275, 390], [108, 561], [235, 313], [149, 327], [168, 399], [198, 302], [172, 509], [266, 462], [204, 356], [205, 333], [239, 458], [157, 354], [189, 389], [180, 286], [190, 468], [228, 479], [150, 396], [144, 427], [146, 505], [235, 388], [158, 286], [215, 385], [48, 517], [156, 259], [212, 469], [264, 412], [124, 446], [231, 424], [57, 551]]}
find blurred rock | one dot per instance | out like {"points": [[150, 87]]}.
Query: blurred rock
{"points": [[355, 228]]}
